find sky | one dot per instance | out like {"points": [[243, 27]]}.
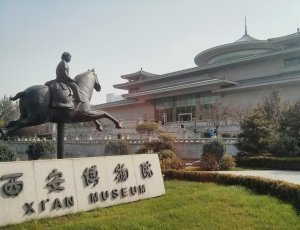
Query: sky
{"points": [[120, 37]]}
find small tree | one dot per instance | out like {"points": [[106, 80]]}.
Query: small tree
{"points": [[9, 110], [215, 147], [117, 147], [289, 122], [209, 162], [167, 138], [172, 163], [284, 145], [7, 153], [165, 142], [256, 133], [272, 105], [147, 127], [218, 115], [166, 153], [41, 150], [287, 141], [236, 114], [2, 123], [227, 162], [212, 155]]}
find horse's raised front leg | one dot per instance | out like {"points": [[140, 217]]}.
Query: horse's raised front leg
{"points": [[13, 125], [98, 125], [8, 128], [18, 124], [94, 115], [3, 133]]}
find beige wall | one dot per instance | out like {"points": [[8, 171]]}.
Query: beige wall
{"points": [[244, 98], [132, 112], [250, 70], [254, 96]]}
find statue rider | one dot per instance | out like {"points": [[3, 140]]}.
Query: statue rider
{"points": [[62, 75]]}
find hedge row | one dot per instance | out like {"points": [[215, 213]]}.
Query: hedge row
{"points": [[270, 163], [285, 191]]}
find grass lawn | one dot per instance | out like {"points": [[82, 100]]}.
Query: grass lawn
{"points": [[186, 205]]}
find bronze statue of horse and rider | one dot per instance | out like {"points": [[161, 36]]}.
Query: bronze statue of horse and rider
{"points": [[55, 102]]}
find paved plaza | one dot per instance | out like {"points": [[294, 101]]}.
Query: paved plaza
{"points": [[288, 176]]}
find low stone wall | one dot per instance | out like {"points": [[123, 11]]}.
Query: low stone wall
{"points": [[185, 148], [192, 148]]}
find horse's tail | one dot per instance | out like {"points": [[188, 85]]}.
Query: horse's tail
{"points": [[18, 95]]}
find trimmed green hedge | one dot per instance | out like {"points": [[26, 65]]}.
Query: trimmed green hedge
{"points": [[270, 163], [287, 192]]}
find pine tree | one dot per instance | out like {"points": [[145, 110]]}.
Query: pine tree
{"points": [[9, 110], [256, 133]]}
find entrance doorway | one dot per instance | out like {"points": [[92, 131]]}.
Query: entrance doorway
{"points": [[185, 117], [164, 116]]}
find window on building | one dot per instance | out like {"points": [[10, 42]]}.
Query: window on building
{"points": [[197, 106], [183, 110]]}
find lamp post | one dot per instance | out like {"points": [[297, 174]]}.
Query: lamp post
{"points": [[60, 140]]}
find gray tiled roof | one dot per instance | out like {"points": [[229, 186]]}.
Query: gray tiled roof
{"points": [[139, 73], [207, 67], [181, 87]]}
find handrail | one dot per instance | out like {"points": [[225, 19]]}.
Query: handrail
{"points": [[131, 141]]}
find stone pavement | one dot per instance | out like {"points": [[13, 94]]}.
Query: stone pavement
{"points": [[288, 176]]}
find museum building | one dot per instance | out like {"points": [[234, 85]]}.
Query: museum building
{"points": [[236, 74]]}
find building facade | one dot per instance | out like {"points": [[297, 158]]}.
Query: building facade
{"points": [[239, 74], [111, 97]]}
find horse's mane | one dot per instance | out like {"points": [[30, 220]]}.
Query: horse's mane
{"points": [[84, 73]]}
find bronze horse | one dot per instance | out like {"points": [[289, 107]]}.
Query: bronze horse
{"points": [[35, 106]]}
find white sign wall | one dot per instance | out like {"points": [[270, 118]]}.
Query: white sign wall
{"points": [[47, 188]]}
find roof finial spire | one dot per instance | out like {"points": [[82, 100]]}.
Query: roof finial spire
{"points": [[246, 26]]}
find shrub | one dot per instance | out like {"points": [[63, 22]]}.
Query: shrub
{"points": [[215, 147], [284, 145], [227, 162], [172, 163], [165, 142], [41, 150], [167, 138], [289, 121], [153, 145], [142, 150], [226, 135], [156, 145], [7, 153], [213, 152], [206, 135], [147, 127], [209, 162], [118, 147], [270, 163], [163, 154]]}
